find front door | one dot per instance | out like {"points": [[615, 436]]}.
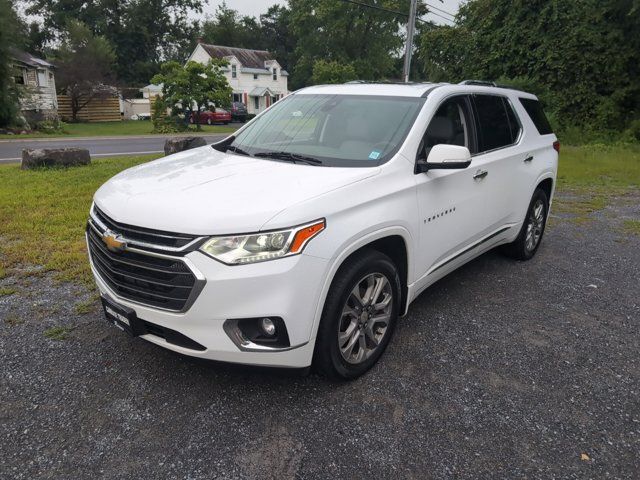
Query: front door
{"points": [[451, 202]]}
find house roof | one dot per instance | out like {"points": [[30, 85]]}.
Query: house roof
{"points": [[28, 59], [152, 87], [260, 92], [247, 57]]}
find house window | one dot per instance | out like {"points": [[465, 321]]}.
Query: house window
{"points": [[234, 73], [42, 78], [275, 74], [255, 76], [237, 97], [19, 79], [256, 103]]}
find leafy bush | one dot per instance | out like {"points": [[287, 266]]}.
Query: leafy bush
{"points": [[163, 122], [633, 132], [50, 126]]}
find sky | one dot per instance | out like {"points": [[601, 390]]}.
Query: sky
{"points": [[255, 7]]}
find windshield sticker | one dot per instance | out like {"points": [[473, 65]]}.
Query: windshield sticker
{"points": [[374, 155]]}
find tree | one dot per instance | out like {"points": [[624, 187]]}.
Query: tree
{"points": [[277, 35], [143, 33], [84, 64], [227, 27], [332, 72], [271, 32], [193, 86], [583, 56], [8, 92]]}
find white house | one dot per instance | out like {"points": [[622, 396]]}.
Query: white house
{"points": [[35, 77], [257, 79]]}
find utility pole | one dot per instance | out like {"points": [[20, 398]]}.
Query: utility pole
{"points": [[409, 44]]}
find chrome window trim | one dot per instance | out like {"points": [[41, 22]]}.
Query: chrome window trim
{"points": [[515, 112]]}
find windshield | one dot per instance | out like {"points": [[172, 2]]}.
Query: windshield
{"points": [[330, 130]]}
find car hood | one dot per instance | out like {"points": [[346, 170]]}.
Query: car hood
{"points": [[207, 192]]}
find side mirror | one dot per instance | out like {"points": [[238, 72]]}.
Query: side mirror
{"points": [[444, 156]]}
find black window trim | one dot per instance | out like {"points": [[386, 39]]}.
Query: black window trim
{"points": [[473, 134], [515, 112]]}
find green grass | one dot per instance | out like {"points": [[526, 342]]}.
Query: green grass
{"points": [[5, 291], [113, 129], [43, 214], [600, 168], [632, 227], [87, 306], [58, 333], [592, 174]]}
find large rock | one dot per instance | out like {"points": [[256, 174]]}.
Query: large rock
{"points": [[54, 157], [178, 144]]}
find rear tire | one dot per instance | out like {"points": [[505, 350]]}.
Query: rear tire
{"points": [[525, 246], [359, 316]]}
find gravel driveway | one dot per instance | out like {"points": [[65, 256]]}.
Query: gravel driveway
{"points": [[501, 370]]}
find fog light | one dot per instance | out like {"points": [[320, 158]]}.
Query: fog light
{"points": [[268, 326]]}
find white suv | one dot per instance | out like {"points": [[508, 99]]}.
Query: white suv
{"points": [[303, 237]]}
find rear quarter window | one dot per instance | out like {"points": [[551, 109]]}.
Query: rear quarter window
{"points": [[535, 112]]}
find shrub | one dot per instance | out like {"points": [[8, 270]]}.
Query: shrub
{"points": [[50, 126]]}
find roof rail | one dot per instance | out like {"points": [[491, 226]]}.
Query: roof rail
{"points": [[478, 82]]}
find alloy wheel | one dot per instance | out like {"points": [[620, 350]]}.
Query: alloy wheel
{"points": [[535, 226], [365, 318]]}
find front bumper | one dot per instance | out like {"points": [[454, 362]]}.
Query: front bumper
{"points": [[289, 288]]}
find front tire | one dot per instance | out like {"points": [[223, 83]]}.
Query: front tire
{"points": [[526, 244], [359, 316]]}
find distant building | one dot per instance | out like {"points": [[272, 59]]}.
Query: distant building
{"points": [[36, 80], [257, 79]]}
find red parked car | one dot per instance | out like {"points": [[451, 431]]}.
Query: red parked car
{"points": [[218, 115]]}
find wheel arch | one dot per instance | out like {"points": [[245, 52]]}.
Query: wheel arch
{"points": [[546, 184], [388, 241]]}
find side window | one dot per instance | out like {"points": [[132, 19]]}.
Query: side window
{"points": [[534, 110], [450, 125], [494, 129]]}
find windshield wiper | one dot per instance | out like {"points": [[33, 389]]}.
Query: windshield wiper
{"points": [[238, 150], [289, 157]]}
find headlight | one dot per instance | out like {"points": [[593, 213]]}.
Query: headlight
{"points": [[258, 247]]}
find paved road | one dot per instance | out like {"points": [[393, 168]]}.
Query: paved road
{"points": [[502, 370], [11, 150]]}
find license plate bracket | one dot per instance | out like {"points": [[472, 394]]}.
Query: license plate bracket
{"points": [[122, 317]]}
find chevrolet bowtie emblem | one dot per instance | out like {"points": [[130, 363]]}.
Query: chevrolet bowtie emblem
{"points": [[114, 242]]}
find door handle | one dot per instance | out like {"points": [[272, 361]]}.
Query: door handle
{"points": [[528, 159], [480, 174]]}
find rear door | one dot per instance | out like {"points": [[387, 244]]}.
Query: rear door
{"points": [[501, 156]]}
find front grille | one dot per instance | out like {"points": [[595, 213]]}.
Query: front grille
{"points": [[144, 235], [164, 282]]}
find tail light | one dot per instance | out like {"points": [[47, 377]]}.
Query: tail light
{"points": [[556, 146]]}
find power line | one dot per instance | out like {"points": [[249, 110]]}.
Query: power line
{"points": [[440, 10], [395, 12], [376, 7], [438, 15]]}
